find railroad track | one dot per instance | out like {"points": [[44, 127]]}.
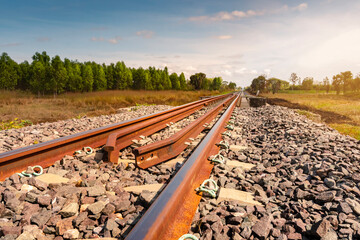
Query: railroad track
{"points": [[116, 137]]}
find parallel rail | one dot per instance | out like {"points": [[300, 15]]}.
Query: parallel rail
{"points": [[47, 153], [170, 216], [149, 155]]}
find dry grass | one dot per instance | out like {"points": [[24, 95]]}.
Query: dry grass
{"points": [[14, 104], [347, 106]]}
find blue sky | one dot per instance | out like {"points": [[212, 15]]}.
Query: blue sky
{"points": [[235, 39]]}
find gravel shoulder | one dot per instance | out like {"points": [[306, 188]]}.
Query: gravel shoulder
{"points": [[307, 177]]}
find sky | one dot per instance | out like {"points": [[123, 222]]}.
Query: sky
{"points": [[235, 39]]}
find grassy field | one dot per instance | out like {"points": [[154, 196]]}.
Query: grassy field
{"points": [[26, 106], [341, 112]]}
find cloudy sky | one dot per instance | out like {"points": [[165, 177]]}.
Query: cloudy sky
{"points": [[235, 39]]}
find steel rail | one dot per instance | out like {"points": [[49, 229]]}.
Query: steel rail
{"points": [[170, 216], [124, 137], [47, 153], [152, 154]]}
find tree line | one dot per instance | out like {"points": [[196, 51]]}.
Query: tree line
{"points": [[263, 85], [45, 75], [342, 82]]}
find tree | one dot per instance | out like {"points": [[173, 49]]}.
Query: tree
{"points": [[258, 84], [37, 77], [87, 78], [337, 83], [307, 83], [165, 80], [274, 84], [24, 76], [232, 85], [99, 77], [357, 82], [294, 79], [346, 78], [326, 83], [197, 80], [216, 83], [175, 83], [182, 81], [141, 79], [58, 76], [45, 60], [109, 74], [9, 70]]}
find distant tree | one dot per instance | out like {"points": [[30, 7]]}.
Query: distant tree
{"points": [[99, 77], [37, 77], [77, 82], [182, 81], [357, 83], [232, 86], [216, 83], [347, 78], [141, 79], [109, 74], [274, 84], [165, 80], [24, 76], [294, 79], [45, 60], [87, 77], [9, 72], [307, 83], [58, 76], [206, 85], [175, 83], [197, 80], [326, 84], [337, 83], [258, 84]]}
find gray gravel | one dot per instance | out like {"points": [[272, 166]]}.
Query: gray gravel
{"points": [[307, 178]]}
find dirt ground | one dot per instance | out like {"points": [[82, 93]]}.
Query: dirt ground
{"points": [[326, 116]]}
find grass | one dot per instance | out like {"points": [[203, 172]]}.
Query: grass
{"points": [[345, 109], [26, 106]]}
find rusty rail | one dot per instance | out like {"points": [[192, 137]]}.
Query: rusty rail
{"points": [[152, 154], [122, 138], [171, 213], [45, 154]]}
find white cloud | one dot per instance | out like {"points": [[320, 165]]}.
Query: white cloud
{"points": [[145, 34], [301, 7], [190, 68], [223, 16], [226, 73], [115, 40], [267, 71], [224, 37], [236, 15], [254, 71], [241, 70]]}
